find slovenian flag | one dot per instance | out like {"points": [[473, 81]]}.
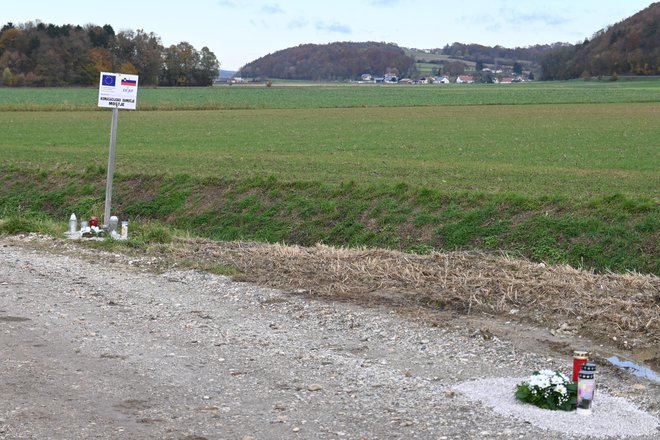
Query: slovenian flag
{"points": [[128, 82]]}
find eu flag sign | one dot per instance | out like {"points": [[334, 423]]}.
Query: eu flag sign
{"points": [[118, 90], [108, 80], [115, 94]]}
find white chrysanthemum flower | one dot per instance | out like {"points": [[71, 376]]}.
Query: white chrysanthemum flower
{"points": [[541, 380], [549, 389], [556, 380]]}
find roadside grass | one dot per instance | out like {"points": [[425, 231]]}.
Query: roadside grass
{"points": [[14, 224], [605, 233]]}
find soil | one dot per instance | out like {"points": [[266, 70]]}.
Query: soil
{"points": [[108, 345]]}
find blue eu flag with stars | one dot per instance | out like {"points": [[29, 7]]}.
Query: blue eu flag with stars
{"points": [[108, 80]]}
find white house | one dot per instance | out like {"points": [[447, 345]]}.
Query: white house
{"points": [[441, 80], [465, 79], [391, 79]]}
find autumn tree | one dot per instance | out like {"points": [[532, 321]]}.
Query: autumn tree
{"points": [[148, 56], [183, 65], [40, 54], [454, 68], [208, 68], [7, 77]]}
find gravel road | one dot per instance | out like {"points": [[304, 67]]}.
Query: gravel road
{"points": [[90, 351]]}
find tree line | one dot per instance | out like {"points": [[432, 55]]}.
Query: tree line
{"points": [[335, 61], [39, 54]]}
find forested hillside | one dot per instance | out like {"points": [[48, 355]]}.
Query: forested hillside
{"points": [[39, 54], [496, 54], [630, 47], [334, 61]]}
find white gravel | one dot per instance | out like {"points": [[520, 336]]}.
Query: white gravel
{"points": [[611, 416]]}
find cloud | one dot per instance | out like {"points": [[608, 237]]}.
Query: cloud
{"points": [[485, 21], [507, 18], [298, 23], [262, 24], [477, 18], [537, 18], [227, 4], [534, 18], [385, 2], [334, 28], [272, 9]]}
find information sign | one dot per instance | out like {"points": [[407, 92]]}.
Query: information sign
{"points": [[117, 90]]}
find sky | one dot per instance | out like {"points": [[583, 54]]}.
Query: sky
{"points": [[238, 32]]}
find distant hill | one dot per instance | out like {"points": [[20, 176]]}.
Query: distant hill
{"points": [[488, 55], [474, 57], [226, 74], [334, 61], [630, 47]]}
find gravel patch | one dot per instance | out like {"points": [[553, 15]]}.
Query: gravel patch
{"points": [[100, 347], [611, 417]]}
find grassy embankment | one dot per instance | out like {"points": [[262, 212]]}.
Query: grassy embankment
{"points": [[571, 176]]}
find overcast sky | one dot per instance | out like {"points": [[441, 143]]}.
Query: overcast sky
{"points": [[241, 31]]}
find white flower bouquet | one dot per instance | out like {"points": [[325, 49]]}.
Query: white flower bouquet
{"points": [[549, 390]]}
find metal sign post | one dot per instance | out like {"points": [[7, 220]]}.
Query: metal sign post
{"points": [[116, 91], [111, 166]]}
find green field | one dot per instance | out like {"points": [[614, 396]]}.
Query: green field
{"points": [[406, 164], [577, 150], [285, 96]]}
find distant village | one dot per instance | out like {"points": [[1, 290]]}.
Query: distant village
{"points": [[387, 64], [489, 76], [486, 75]]}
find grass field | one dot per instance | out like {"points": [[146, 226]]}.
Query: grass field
{"points": [[561, 172], [577, 150]]}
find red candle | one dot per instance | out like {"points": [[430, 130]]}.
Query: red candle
{"points": [[94, 221], [579, 358]]}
